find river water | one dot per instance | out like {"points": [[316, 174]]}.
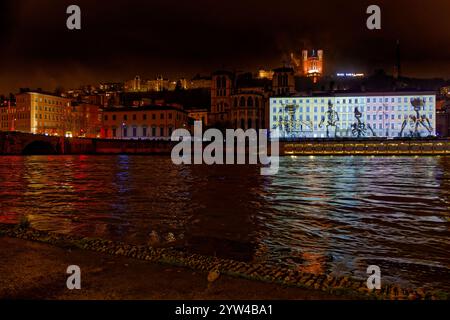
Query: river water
{"points": [[333, 215]]}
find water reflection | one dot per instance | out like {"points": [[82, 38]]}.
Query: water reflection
{"points": [[319, 214]]}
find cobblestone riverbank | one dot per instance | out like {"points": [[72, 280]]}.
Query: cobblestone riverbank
{"points": [[259, 272]]}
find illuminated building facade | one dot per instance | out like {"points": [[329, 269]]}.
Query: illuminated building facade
{"points": [[159, 84], [248, 110], [222, 86], [283, 81], [310, 64], [265, 74], [445, 91], [111, 86], [200, 82], [241, 102], [388, 114], [163, 84], [147, 122], [39, 113], [199, 115], [87, 120], [7, 114], [135, 85]]}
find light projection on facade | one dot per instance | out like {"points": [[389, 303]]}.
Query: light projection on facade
{"points": [[354, 116], [414, 122]]}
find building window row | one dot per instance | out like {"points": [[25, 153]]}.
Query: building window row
{"points": [[144, 117], [142, 132], [249, 102], [356, 100]]}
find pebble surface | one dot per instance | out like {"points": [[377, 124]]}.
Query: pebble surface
{"points": [[259, 272]]}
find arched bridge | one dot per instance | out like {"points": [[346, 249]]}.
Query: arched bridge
{"points": [[18, 143]]}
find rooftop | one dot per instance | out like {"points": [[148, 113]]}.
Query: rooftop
{"points": [[363, 93], [40, 91]]}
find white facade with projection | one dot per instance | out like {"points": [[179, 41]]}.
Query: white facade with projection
{"points": [[393, 114]]}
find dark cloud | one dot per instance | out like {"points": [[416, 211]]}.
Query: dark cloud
{"points": [[180, 38]]}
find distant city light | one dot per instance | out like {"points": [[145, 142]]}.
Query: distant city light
{"points": [[350, 75]]}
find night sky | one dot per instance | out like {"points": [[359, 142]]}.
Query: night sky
{"points": [[120, 39]]}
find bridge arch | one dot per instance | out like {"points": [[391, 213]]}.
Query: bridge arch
{"points": [[39, 147]]}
